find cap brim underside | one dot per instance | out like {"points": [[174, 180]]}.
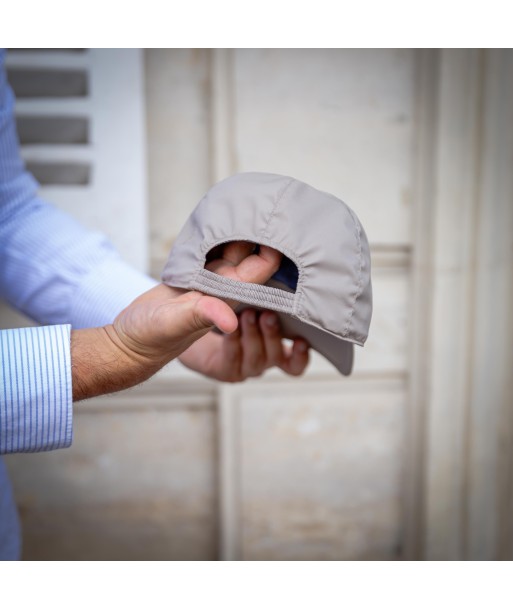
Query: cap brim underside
{"points": [[339, 352]]}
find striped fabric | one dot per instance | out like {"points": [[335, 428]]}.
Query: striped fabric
{"points": [[36, 396], [61, 275]]}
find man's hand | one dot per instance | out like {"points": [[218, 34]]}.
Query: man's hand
{"points": [[256, 344], [252, 348], [237, 260], [150, 332], [163, 323]]}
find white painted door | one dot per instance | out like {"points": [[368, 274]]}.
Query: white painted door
{"points": [[411, 457]]}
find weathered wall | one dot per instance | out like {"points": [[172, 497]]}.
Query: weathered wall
{"points": [[411, 456]]}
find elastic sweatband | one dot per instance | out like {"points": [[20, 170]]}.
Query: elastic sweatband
{"points": [[248, 293]]}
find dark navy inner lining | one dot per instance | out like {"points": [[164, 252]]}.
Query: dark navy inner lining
{"points": [[287, 273]]}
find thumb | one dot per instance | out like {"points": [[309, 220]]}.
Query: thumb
{"points": [[202, 312], [163, 322]]}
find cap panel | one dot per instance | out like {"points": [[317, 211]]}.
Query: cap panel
{"points": [[185, 256], [359, 322], [237, 208], [239, 205], [325, 235]]}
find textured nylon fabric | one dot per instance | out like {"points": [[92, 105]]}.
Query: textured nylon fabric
{"points": [[317, 231]]}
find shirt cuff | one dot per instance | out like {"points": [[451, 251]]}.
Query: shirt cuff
{"points": [[36, 411], [105, 291]]}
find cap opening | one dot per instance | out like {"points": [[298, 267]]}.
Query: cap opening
{"points": [[287, 274]]}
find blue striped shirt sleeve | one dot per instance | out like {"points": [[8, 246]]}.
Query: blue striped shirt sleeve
{"points": [[61, 275], [35, 389]]}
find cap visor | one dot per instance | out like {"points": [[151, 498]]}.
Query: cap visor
{"points": [[336, 350]]}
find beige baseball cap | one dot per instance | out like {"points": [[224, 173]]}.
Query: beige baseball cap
{"points": [[322, 290]]}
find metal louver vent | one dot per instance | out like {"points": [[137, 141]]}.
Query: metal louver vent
{"points": [[53, 113], [81, 123]]}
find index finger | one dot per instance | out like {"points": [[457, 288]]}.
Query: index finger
{"points": [[259, 267], [240, 262]]}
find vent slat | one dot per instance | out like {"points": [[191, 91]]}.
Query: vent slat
{"points": [[53, 114], [37, 83], [60, 59], [61, 174], [53, 130], [46, 50]]}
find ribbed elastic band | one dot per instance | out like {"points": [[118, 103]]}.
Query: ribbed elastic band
{"points": [[248, 293]]}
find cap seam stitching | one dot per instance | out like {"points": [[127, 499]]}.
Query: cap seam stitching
{"points": [[279, 197], [298, 306], [265, 234], [359, 271]]}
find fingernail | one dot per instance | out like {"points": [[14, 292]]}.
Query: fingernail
{"points": [[271, 321], [302, 347], [252, 318]]}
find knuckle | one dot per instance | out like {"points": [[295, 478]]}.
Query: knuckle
{"points": [[249, 320], [198, 322]]}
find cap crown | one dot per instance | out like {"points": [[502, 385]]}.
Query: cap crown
{"points": [[317, 231]]}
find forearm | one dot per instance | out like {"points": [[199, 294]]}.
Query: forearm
{"points": [[101, 364]]}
